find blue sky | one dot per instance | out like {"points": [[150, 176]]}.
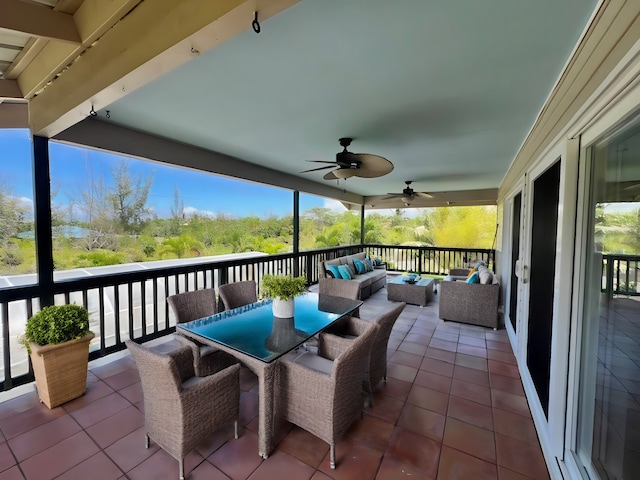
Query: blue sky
{"points": [[71, 167]]}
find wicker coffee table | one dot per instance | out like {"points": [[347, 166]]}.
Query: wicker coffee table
{"points": [[419, 293]]}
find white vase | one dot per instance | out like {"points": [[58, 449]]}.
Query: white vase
{"points": [[282, 308]]}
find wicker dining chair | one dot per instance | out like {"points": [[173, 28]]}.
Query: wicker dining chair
{"points": [[337, 287], [190, 306], [377, 367], [321, 393], [238, 294], [180, 409]]}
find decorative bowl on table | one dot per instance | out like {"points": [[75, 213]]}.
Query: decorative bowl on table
{"points": [[411, 278]]}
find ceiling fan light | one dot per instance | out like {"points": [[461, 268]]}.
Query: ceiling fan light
{"points": [[407, 198], [344, 172]]}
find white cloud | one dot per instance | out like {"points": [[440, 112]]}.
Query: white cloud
{"points": [[191, 211], [334, 205]]}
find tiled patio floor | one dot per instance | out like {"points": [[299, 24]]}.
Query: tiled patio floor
{"points": [[453, 408]]}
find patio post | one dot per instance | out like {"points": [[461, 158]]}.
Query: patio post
{"points": [[42, 219]]}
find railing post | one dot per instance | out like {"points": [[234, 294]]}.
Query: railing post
{"points": [[609, 277]]}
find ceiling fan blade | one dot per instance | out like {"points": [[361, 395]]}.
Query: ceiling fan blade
{"points": [[330, 176], [372, 166], [424, 194], [316, 169], [322, 161], [392, 195]]}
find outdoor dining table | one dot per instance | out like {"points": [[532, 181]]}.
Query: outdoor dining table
{"points": [[257, 339]]}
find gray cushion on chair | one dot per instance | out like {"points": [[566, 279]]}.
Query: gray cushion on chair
{"points": [[315, 362]]}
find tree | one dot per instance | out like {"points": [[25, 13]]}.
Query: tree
{"points": [[177, 212], [129, 198], [463, 227], [12, 214]]}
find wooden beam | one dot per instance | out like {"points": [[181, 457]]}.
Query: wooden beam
{"points": [[103, 135], [154, 38], [14, 115], [9, 90], [38, 21], [93, 18]]}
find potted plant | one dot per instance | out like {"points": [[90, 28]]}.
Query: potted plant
{"points": [[57, 338], [283, 288]]}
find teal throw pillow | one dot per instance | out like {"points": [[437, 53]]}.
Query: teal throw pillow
{"points": [[344, 272], [359, 266], [334, 271], [368, 264], [474, 278]]}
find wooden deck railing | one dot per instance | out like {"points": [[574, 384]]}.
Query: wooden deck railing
{"points": [[132, 304]]}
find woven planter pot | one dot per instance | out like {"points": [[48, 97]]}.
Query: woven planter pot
{"points": [[61, 370]]}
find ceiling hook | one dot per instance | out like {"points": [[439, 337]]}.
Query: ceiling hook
{"points": [[92, 112], [255, 24], [108, 115]]}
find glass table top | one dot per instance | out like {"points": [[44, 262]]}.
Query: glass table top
{"points": [[254, 330]]}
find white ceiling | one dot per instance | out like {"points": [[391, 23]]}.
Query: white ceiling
{"points": [[447, 91]]}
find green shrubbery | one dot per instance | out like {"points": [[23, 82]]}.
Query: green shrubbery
{"points": [[57, 324]]}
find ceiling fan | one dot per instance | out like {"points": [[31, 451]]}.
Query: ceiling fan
{"points": [[349, 164], [408, 194]]}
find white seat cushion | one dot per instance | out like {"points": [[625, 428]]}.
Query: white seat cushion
{"points": [[207, 350], [314, 362]]}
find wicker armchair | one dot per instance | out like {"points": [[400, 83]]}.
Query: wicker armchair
{"points": [[377, 367], [181, 410], [471, 303], [321, 394], [190, 306], [238, 294], [337, 287]]}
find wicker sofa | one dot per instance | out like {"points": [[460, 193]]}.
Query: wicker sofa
{"points": [[370, 282], [473, 303]]}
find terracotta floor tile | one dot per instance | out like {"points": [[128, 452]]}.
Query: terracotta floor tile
{"points": [[424, 331], [238, 458], [502, 346], [423, 422], [401, 372], [504, 369], [130, 451], [98, 467], [6, 457], [506, 474], [443, 345], [470, 361], [477, 341], [249, 404], [281, 464], [515, 426], [12, 473], [40, 438], [216, 440], [352, 462], [206, 471], [510, 402], [410, 455], [444, 335], [393, 388], [471, 391], [304, 446], [419, 339], [113, 428], [429, 399], [320, 476], [521, 457], [500, 356], [471, 375], [371, 432], [163, 465], [470, 439], [470, 412], [24, 421], [497, 336], [472, 350], [506, 384], [94, 391], [100, 409], [386, 408], [433, 381], [414, 348], [408, 359], [61, 457], [438, 354], [20, 404], [456, 465], [437, 366], [133, 393]]}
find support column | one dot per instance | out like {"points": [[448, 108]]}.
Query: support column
{"points": [[296, 231], [42, 219], [362, 232]]}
